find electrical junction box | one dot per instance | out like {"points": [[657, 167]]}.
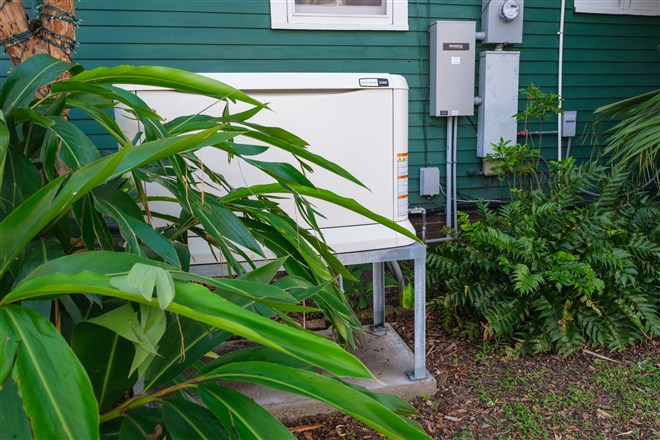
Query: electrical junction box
{"points": [[452, 63], [502, 21], [429, 181], [568, 123], [498, 89], [351, 119]]}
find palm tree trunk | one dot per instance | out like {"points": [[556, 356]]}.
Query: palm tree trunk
{"points": [[52, 31]]}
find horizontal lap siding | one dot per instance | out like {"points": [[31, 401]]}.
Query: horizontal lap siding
{"points": [[606, 58]]}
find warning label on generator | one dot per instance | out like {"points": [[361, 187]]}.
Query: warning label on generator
{"points": [[402, 184]]}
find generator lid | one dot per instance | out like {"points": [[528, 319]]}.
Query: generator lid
{"points": [[301, 81]]}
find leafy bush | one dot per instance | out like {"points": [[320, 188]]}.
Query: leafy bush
{"points": [[553, 271], [635, 138], [84, 317]]}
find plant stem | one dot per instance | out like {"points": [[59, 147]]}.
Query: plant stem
{"points": [[140, 400]]}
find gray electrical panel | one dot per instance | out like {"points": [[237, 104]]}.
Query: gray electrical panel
{"points": [[502, 21], [452, 68], [498, 89]]}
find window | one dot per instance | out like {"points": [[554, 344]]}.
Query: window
{"points": [[619, 7], [340, 14]]}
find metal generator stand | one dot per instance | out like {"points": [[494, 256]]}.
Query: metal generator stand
{"points": [[417, 253], [378, 257]]}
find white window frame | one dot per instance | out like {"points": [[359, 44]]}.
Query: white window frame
{"points": [[283, 16], [619, 7]]}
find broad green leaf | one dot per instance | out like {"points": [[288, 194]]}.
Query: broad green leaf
{"points": [[253, 354], [100, 262], [245, 418], [184, 124], [8, 346], [21, 180], [153, 322], [196, 302], [142, 279], [29, 76], [321, 194], [165, 77], [37, 252], [331, 391], [125, 323], [265, 273], [4, 144], [152, 151], [25, 222], [120, 207], [281, 171], [57, 394], [106, 121], [279, 133], [165, 291], [77, 91], [28, 219], [75, 148], [221, 223], [107, 359], [71, 308], [308, 347], [186, 420], [93, 228], [302, 153], [14, 424], [183, 343], [141, 423]]}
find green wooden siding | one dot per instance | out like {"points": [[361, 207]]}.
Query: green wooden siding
{"points": [[606, 58]]}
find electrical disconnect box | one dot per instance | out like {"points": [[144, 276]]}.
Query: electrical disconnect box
{"points": [[502, 21], [452, 68], [498, 88]]}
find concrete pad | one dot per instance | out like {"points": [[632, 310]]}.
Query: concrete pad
{"points": [[384, 353]]}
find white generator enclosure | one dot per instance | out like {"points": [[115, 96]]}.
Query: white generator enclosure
{"points": [[358, 121]]}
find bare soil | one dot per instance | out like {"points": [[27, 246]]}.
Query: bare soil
{"points": [[586, 395]]}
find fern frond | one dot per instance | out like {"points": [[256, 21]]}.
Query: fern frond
{"points": [[525, 281]]}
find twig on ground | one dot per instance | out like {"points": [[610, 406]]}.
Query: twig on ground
{"points": [[600, 356], [305, 428]]}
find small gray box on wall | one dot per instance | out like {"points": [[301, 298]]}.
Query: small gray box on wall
{"points": [[429, 181], [452, 68], [568, 123]]}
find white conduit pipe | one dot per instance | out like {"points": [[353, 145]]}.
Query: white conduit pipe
{"points": [[453, 174], [560, 76], [448, 168]]}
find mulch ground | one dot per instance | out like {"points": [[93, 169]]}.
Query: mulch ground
{"points": [[581, 396]]}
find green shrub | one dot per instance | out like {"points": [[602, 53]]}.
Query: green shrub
{"points": [[553, 271]]}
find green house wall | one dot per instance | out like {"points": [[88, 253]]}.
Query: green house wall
{"points": [[606, 58]]}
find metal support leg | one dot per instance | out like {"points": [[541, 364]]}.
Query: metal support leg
{"points": [[420, 320], [379, 297]]}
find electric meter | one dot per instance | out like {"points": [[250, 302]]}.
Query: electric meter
{"points": [[509, 10]]}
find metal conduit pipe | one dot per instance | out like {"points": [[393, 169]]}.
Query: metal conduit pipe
{"points": [[453, 174], [448, 182], [395, 268], [420, 210], [560, 76], [438, 240]]}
